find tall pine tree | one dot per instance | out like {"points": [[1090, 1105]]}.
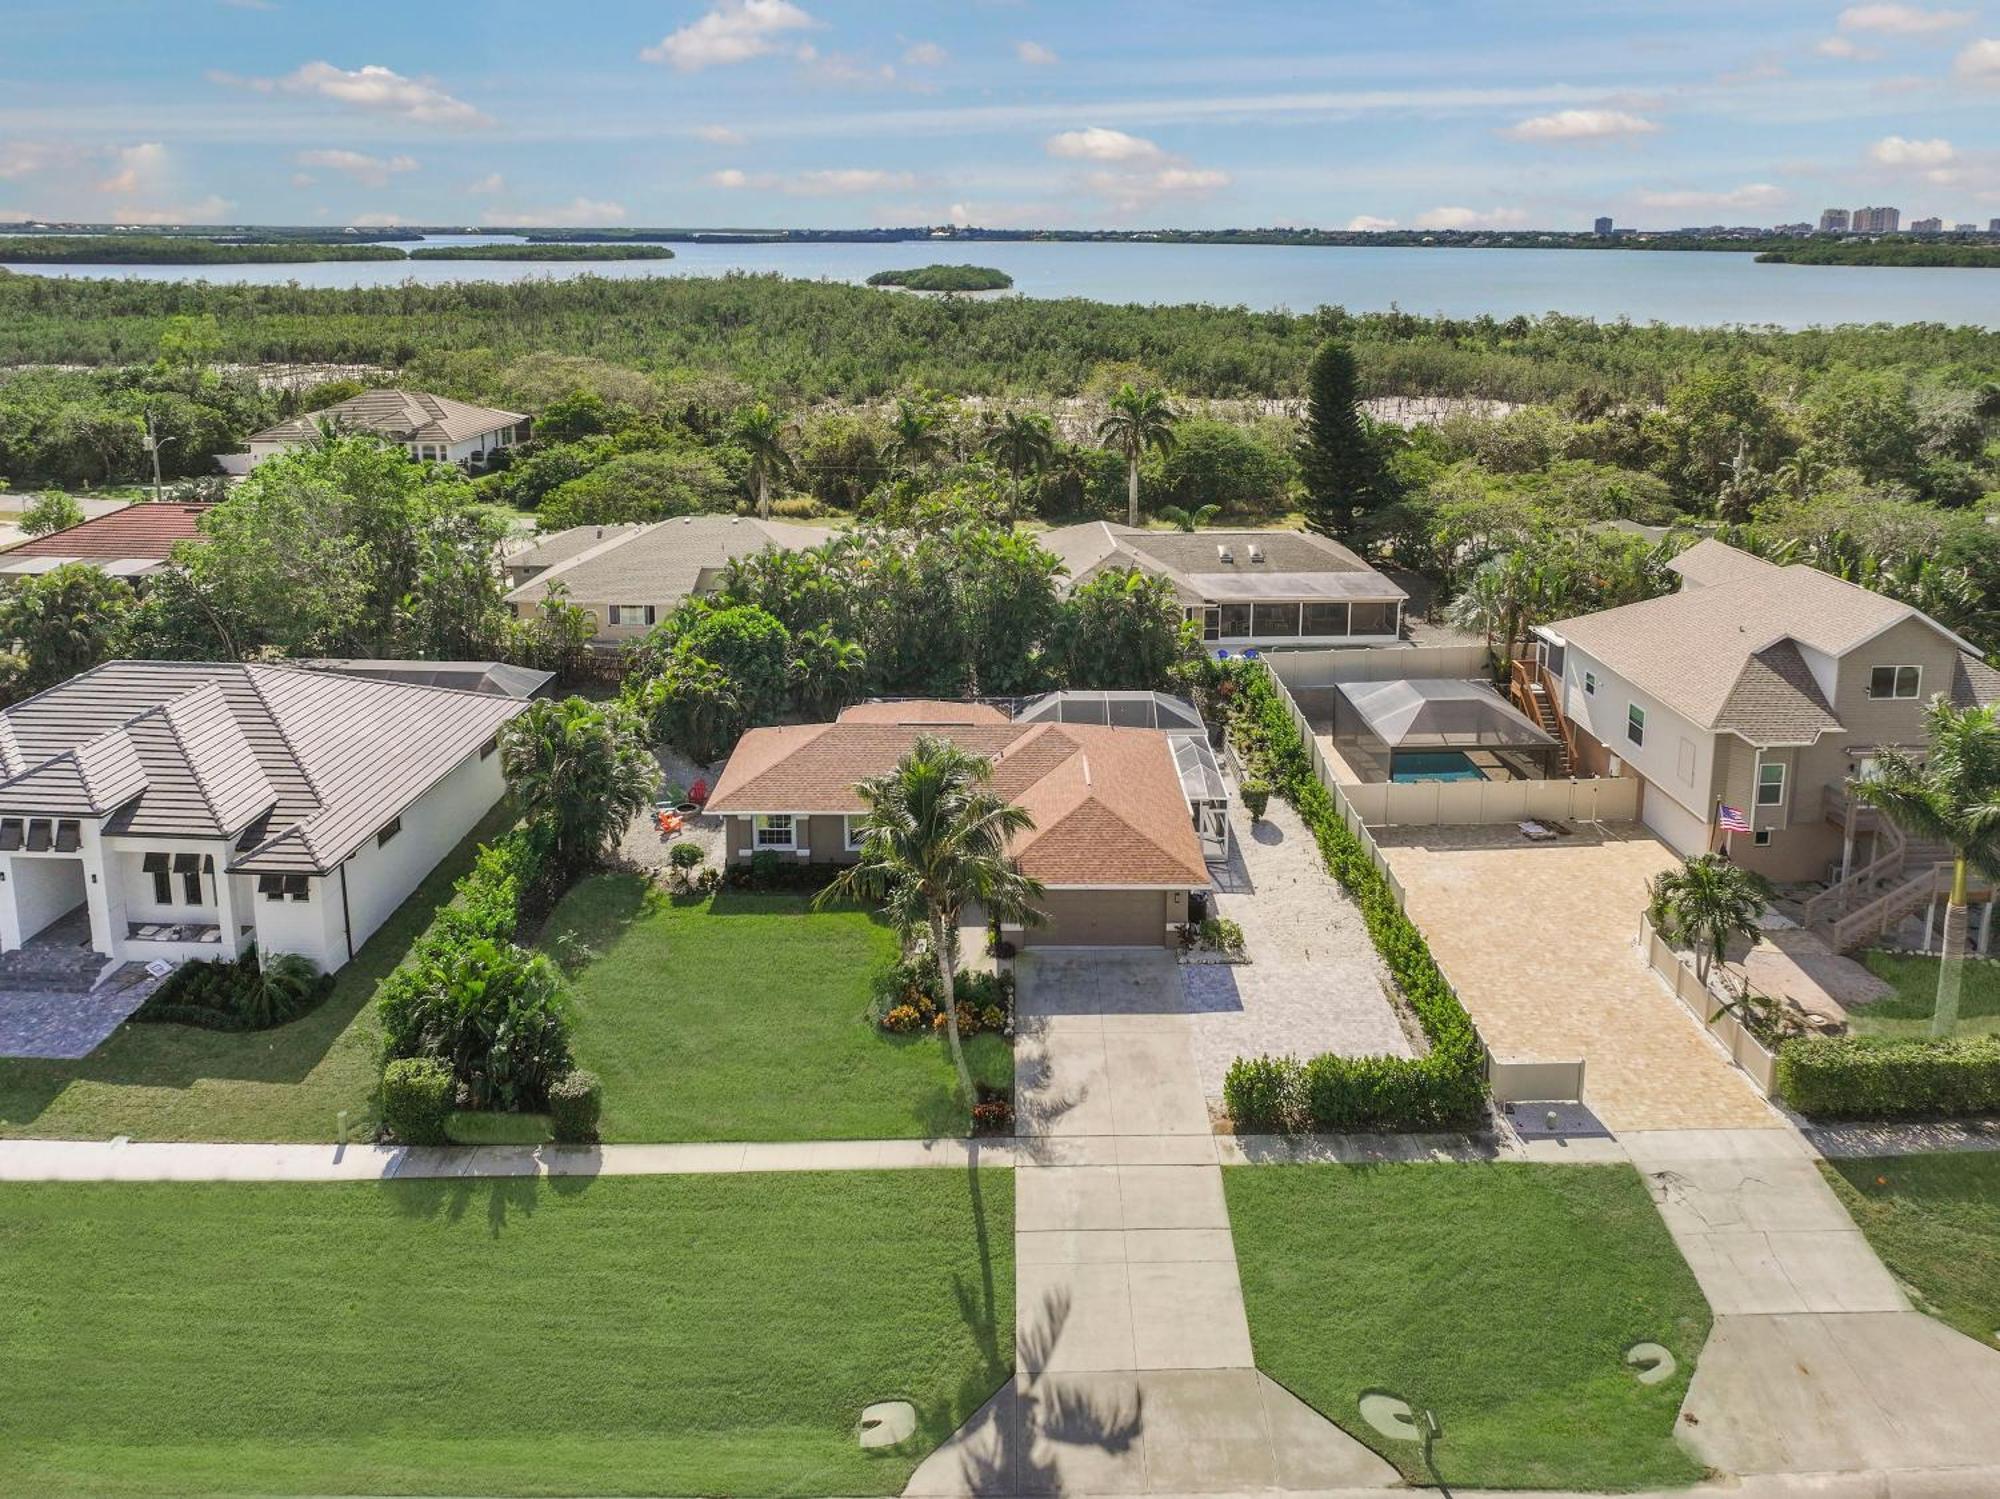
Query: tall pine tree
{"points": [[1343, 471]]}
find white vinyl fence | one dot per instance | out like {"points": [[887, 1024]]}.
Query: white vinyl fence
{"points": [[1744, 1049], [1393, 804]]}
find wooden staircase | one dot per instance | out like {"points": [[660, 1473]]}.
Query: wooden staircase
{"points": [[1905, 875], [1537, 694]]}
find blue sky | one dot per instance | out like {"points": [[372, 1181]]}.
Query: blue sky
{"points": [[1416, 113]]}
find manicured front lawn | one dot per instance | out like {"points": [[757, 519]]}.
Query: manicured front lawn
{"points": [[1935, 1221], [1502, 1297], [176, 1082], [1908, 1011], [659, 1335], [745, 1017]]}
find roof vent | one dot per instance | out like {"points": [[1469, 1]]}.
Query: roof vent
{"points": [[1256, 552], [1224, 554]]}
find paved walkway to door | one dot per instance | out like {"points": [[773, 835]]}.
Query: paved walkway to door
{"points": [[1539, 940], [1134, 1368]]}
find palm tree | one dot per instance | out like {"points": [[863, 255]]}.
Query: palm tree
{"points": [[824, 668], [1952, 797], [1138, 420], [916, 437], [761, 432], [579, 771], [1705, 903], [1025, 442], [934, 840], [1190, 520]]}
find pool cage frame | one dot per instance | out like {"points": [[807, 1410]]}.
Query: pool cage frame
{"points": [[1376, 722]]}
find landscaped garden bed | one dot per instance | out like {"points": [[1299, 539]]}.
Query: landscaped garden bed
{"points": [[656, 1335], [1935, 1221], [1501, 1297], [750, 1016]]}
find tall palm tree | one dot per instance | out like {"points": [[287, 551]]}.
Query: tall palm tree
{"points": [[1952, 797], [761, 432], [1705, 903], [916, 437], [580, 771], [1189, 520], [1025, 442], [824, 668], [934, 840], [1137, 421]]}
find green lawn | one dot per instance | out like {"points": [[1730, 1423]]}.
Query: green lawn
{"points": [[655, 1335], [1502, 1297], [745, 1017], [1935, 1221], [177, 1082], [1908, 1011]]}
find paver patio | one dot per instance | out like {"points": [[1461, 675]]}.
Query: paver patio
{"points": [[1539, 941]]}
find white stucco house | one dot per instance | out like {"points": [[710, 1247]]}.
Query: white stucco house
{"points": [[431, 428], [193, 808]]}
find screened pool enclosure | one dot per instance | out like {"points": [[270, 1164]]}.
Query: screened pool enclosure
{"points": [[1441, 730]]}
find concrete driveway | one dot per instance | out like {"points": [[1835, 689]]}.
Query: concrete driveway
{"points": [[1539, 939]]}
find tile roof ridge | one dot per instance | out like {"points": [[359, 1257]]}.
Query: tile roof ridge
{"points": [[256, 685]]}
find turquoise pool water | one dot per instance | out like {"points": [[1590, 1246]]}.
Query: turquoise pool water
{"points": [[1434, 765]]}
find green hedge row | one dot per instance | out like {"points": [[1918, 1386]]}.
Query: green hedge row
{"points": [[1444, 1089], [1852, 1077]]}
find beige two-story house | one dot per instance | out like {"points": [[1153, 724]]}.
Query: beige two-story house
{"points": [[1761, 688]]}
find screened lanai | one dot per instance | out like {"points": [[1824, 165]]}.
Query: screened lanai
{"points": [[1442, 730]]}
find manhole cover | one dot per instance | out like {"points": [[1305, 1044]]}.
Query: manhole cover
{"points": [[887, 1423]]}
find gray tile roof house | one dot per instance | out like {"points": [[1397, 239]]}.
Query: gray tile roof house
{"points": [[303, 805], [1759, 687], [630, 577], [1248, 587]]}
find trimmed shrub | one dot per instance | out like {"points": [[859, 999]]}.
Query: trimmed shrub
{"points": [[686, 856], [417, 1096], [1220, 934], [1444, 1089], [1852, 1077], [1264, 1095], [1256, 797], [576, 1101], [497, 1015]]}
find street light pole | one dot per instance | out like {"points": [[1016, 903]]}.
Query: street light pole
{"points": [[154, 442]]}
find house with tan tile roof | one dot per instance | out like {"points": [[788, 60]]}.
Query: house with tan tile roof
{"points": [[1759, 687], [434, 429], [1246, 588], [1113, 840]]}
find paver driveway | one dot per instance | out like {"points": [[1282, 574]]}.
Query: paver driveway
{"points": [[1539, 941]]}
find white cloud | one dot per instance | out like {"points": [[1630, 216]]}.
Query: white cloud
{"points": [[1840, 46], [1035, 55], [1980, 62], [844, 67], [577, 212], [209, 210], [1132, 191], [1581, 125], [729, 177], [1895, 151], [1095, 143], [718, 135], [925, 55], [1366, 223], [1901, 20], [369, 171], [1750, 195], [139, 168], [371, 87], [19, 158], [735, 31], [491, 183], [830, 182], [1451, 217]]}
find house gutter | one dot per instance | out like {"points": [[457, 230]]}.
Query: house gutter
{"points": [[346, 917]]}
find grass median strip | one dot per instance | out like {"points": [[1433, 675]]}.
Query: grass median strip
{"points": [[682, 1335], [1502, 1297], [1935, 1221]]}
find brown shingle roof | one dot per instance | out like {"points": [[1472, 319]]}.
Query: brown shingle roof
{"points": [[1107, 803], [922, 710], [399, 415], [1775, 700], [135, 531], [1709, 562]]}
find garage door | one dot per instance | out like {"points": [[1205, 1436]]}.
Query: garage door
{"points": [[1684, 831], [1101, 918]]}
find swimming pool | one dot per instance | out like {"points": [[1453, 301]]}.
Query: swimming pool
{"points": [[1434, 765]]}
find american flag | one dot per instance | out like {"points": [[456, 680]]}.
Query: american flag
{"points": [[1731, 819]]}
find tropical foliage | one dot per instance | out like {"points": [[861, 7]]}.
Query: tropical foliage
{"points": [[579, 772], [1707, 903]]}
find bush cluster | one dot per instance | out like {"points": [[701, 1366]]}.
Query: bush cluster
{"points": [[417, 1094], [1853, 1077], [766, 871], [1216, 934], [220, 994], [576, 1102], [906, 999], [1445, 1088]]}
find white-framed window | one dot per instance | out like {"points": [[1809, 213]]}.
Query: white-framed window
{"points": [[634, 614], [1771, 784], [1635, 723], [774, 830], [1590, 684], [1894, 681], [1762, 837], [854, 832]]}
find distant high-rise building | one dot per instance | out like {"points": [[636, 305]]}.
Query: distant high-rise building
{"points": [[1993, 226], [1791, 229], [1602, 228], [1877, 220], [1927, 226], [1833, 221]]}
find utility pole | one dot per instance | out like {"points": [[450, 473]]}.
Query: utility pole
{"points": [[154, 442]]}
